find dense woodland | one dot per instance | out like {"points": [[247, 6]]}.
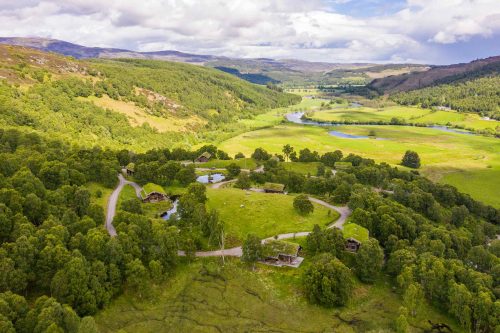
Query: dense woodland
{"points": [[50, 94], [478, 95], [54, 242]]}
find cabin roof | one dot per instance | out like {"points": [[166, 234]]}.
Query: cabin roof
{"points": [[150, 188], [205, 154], [274, 187], [272, 248], [130, 166], [342, 165], [351, 239]]}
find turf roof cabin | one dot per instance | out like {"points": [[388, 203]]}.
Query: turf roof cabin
{"points": [[342, 165], [352, 245], [280, 253], [129, 169], [153, 193], [274, 188], [203, 158]]}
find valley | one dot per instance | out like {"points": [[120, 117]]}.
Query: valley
{"points": [[343, 197]]}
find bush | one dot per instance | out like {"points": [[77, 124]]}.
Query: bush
{"points": [[302, 205], [328, 282], [411, 160]]}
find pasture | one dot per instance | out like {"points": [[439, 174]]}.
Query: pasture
{"points": [[265, 215], [410, 114], [442, 154]]}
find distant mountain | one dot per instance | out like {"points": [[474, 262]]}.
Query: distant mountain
{"points": [[437, 75], [80, 52], [257, 70]]}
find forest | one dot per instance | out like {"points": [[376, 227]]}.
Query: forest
{"points": [[60, 265], [477, 95]]}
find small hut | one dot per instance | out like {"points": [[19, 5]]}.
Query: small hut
{"points": [[280, 253], [352, 245], [152, 193], [129, 169], [203, 158], [274, 188], [342, 165]]}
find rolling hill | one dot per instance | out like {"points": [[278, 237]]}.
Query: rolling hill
{"points": [[289, 72], [138, 104], [471, 87], [437, 75]]}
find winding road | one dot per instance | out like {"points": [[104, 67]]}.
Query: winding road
{"points": [[344, 212], [113, 200]]}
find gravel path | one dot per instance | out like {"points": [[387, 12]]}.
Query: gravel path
{"points": [[344, 212], [113, 200]]}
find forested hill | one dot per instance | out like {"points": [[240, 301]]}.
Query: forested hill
{"points": [[135, 104], [438, 75], [472, 87]]}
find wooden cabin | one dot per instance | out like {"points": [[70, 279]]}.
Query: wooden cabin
{"points": [[352, 245], [203, 158], [152, 193], [274, 188], [281, 253], [129, 169]]}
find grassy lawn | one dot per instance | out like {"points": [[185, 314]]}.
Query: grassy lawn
{"points": [[101, 200], [244, 163], [237, 299], [263, 214], [302, 167], [441, 153], [408, 113]]}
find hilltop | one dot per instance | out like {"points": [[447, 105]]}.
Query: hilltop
{"points": [[289, 72]]}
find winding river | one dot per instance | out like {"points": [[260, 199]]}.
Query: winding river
{"points": [[296, 118]]}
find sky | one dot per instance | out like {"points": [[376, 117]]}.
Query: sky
{"points": [[382, 31]]}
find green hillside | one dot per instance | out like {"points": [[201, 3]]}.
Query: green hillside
{"points": [[124, 103], [476, 95]]}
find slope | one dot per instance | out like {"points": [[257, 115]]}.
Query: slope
{"points": [[123, 103], [437, 75]]}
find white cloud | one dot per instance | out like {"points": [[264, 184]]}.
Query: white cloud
{"points": [[258, 28]]}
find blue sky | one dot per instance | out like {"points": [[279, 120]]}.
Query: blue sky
{"points": [[382, 31]]}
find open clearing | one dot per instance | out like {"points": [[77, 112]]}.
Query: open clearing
{"points": [[138, 116], [235, 299], [265, 215], [441, 153]]}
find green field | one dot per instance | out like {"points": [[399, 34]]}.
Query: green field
{"points": [[244, 163], [409, 114], [235, 299], [263, 214], [441, 153]]}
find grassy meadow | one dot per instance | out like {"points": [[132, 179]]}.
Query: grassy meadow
{"points": [[205, 296], [265, 215], [443, 154], [408, 113]]}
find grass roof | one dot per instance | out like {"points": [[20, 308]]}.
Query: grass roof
{"points": [[353, 230], [343, 165], [274, 247], [131, 166], [151, 187], [206, 155], [274, 186]]}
